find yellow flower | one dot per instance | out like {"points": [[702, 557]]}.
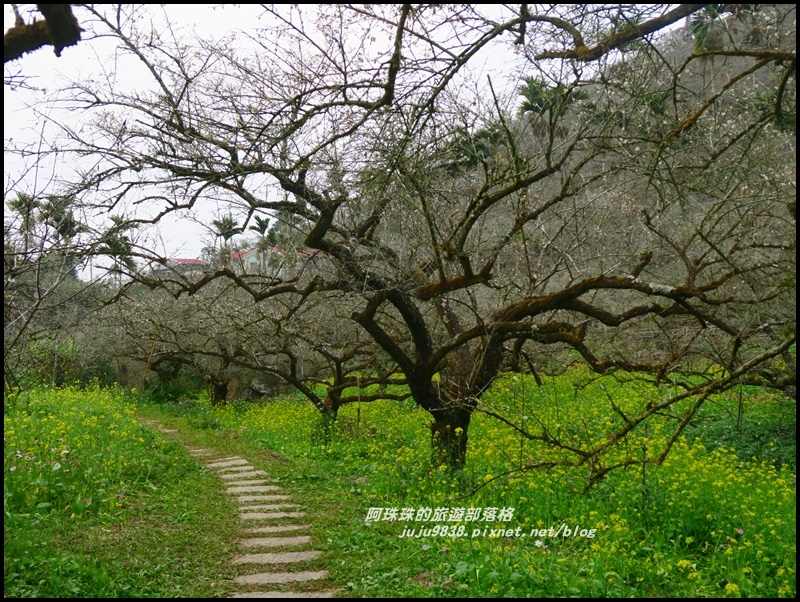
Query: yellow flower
{"points": [[732, 589], [785, 590]]}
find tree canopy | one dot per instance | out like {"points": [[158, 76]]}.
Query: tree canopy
{"points": [[628, 212]]}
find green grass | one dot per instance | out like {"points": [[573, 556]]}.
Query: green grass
{"points": [[765, 431], [716, 520], [127, 513], [706, 523]]}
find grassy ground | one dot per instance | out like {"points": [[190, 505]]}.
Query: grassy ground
{"points": [[98, 506], [716, 520]]}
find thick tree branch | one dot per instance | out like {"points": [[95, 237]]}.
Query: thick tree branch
{"points": [[627, 34], [59, 29]]}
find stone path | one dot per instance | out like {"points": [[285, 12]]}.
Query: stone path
{"points": [[271, 537]]}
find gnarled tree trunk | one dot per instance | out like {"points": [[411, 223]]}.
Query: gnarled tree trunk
{"points": [[449, 437], [329, 412], [219, 390]]}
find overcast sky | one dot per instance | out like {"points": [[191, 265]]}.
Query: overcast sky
{"points": [[45, 71]]}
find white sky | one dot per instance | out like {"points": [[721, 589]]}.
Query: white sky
{"points": [[45, 71], [181, 238]]}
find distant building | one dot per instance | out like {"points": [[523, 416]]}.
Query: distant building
{"points": [[180, 266], [271, 262]]}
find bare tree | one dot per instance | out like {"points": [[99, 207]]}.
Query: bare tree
{"points": [[44, 246], [221, 336], [640, 202]]}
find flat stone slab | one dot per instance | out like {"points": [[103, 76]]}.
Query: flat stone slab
{"points": [[268, 515], [283, 595], [274, 542], [276, 528], [230, 469], [276, 557], [168, 431], [254, 498], [226, 462], [259, 578], [230, 476], [261, 498], [253, 489], [268, 507], [248, 482]]}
